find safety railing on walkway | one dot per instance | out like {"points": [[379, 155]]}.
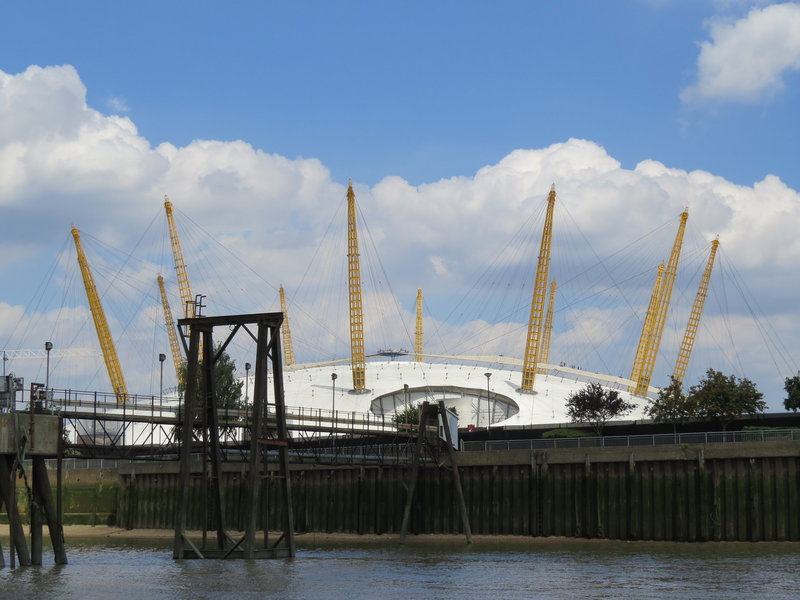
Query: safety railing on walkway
{"points": [[344, 454], [659, 439], [165, 409]]}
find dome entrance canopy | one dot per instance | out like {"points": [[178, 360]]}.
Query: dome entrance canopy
{"points": [[469, 403]]}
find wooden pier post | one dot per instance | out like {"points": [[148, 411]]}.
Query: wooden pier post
{"points": [[43, 498], [17, 542]]}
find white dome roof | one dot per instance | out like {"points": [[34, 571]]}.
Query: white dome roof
{"points": [[460, 381]]}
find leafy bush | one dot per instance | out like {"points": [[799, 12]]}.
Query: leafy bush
{"points": [[408, 416], [565, 433]]}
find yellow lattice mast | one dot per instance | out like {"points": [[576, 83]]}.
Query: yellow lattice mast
{"points": [[544, 350], [647, 330], [180, 267], [537, 304], [694, 318], [100, 324], [357, 358], [660, 318], [177, 359], [180, 270], [288, 351], [418, 332]]}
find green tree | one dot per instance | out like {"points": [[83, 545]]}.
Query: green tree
{"points": [[227, 389], [672, 405], [596, 405], [724, 398], [408, 416], [792, 387]]}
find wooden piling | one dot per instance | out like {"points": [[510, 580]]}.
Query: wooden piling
{"points": [[18, 547]]}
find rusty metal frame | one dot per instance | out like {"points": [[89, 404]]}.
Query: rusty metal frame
{"points": [[200, 408]]}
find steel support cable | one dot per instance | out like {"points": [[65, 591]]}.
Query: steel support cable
{"points": [[615, 283], [397, 308], [70, 279], [133, 314], [58, 321], [129, 281], [727, 320], [603, 262], [485, 274], [207, 270], [426, 309], [768, 332], [39, 292], [297, 307], [524, 236]]}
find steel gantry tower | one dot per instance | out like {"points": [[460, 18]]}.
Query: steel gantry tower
{"points": [[288, 351], [647, 329], [544, 349], [537, 304], [177, 359], [658, 318], [694, 318], [418, 331], [180, 266], [357, 358], [100, 324]]}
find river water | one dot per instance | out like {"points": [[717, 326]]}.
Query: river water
{"points": [[134, 570]]}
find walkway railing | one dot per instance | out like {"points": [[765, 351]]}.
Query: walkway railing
{"points": [[349, 454], [99, 405], [658, 439]]}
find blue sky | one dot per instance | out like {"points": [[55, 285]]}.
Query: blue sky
{"points": [[452, 119], [422, 90]]}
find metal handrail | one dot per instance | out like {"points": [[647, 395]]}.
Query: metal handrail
{"points": [[658, 439], [99, 403]]}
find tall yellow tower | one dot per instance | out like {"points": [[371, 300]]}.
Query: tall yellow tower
{"points": [[537, 304], [694, 318], [647, 330], [544, 349], [177, 359], [659, 318], [357, 358], [418, 331], [286, 333], [180, 270], [180, 266], [100, 324]]}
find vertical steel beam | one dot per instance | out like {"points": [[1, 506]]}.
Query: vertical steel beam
{"points": [[283, 441], [186, 422]]}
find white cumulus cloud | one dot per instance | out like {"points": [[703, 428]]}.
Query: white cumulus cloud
{"points": [[745, 60], [471, 243]]}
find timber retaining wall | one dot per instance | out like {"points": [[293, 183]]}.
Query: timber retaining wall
{"points": [[726, 492]]}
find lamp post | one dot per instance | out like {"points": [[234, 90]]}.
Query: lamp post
{"points": [[488, 401], [47, 346], [333, 398], [247, 366], [333, 408], [161, 359]]}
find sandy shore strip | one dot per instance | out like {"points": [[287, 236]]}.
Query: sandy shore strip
{"points": [[83, 532], [99, 532]]}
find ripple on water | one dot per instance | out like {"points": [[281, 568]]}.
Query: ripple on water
{"points": [[553, 570]]}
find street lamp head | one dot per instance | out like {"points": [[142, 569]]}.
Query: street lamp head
{"points": [[162, 357], [247, 366], [48, 346], [333, 376], [488, 375]]}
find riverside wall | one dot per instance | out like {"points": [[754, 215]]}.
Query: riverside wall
{"points": [[747, 491]]}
